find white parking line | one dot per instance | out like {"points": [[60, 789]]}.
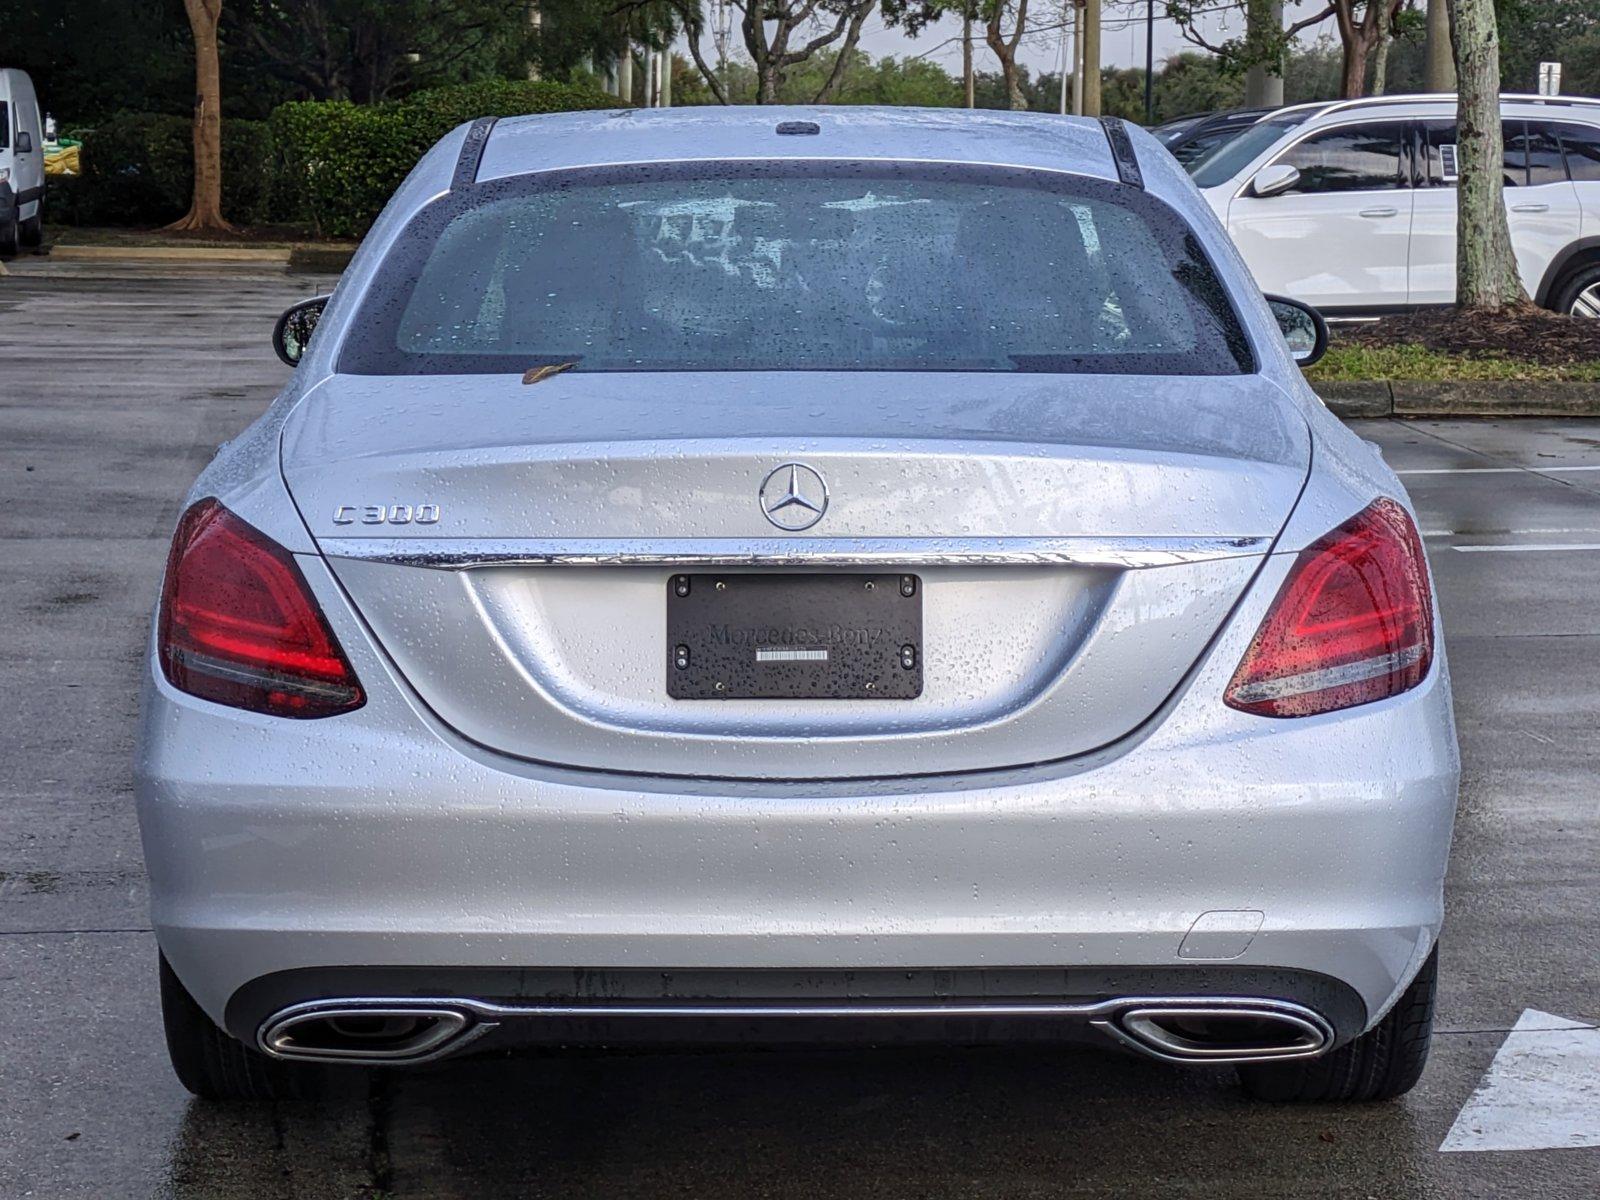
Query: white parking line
{"points": [[1444, 533], [1527, 548], [1539, 1093], [1535, 470]]}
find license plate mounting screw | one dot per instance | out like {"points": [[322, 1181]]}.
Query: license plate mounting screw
{"points": [[680, 584], [680, 658], [908, 657], [908, 585]]}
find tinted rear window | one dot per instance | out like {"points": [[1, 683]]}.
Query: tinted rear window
{"points": [[797, 266], [1582, 144]]}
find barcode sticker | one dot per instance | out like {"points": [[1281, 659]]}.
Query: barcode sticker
{"points": [[787, 654]]}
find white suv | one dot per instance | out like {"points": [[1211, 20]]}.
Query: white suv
{"points": [[1351, 205]]}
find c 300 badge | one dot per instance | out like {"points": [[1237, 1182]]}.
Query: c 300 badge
{"points": [[386, 514]]}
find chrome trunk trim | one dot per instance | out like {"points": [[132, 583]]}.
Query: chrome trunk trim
{"points": [[460, 554]]}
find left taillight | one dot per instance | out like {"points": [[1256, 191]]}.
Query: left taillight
{"points": [[239, 626], [1352, 623]]}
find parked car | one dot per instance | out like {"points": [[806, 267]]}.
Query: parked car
{"points": [[21, 163], [1191, 138], [1350, 206], [776, 573]]}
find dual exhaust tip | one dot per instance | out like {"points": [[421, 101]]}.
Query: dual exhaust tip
{"points": [[1191, 1029]]}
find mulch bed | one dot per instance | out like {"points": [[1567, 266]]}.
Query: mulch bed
{"points": [[1529, 334]]}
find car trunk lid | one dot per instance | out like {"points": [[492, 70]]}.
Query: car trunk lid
{"points": [[1078, 541]]}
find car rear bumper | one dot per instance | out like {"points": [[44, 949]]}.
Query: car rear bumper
{"points": [[1217, 843]]}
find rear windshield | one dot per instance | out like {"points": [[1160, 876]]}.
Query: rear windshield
{"points": [[797, 266]]}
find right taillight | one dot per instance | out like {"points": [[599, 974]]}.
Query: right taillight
{"points": [[1352, 623], [239, 625]]}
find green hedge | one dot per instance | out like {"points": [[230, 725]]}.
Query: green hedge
{"points": [[339, 162], [138, 169], [332, 163]]}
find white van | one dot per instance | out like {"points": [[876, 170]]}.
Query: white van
{"points": [[21, 163]]}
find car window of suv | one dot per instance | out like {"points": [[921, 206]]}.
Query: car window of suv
{"points": [[1202, 144], [1544, 155], [1350, 158], [1225, 160], [1439, 138], [1582, 144]]}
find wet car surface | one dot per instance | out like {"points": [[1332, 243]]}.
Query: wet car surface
{"points": [[118, 386]]}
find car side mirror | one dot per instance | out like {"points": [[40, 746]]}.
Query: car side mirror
{"points": [[24, 142], [1302, 327], [292, 334], [1273, 180]]}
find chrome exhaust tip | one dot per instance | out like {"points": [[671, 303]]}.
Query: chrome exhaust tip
{"points": [[377, 1032], [1219, 1031]]}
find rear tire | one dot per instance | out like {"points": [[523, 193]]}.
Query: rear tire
{"points": [[9, 232], [215, 1066], [1381, 1064], [1578, 295]]}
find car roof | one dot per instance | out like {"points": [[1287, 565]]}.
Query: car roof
{"points": [[518, 145], [1428, 103]]}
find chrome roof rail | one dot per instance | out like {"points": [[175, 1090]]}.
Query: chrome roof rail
{"points": [[1397, 98]]}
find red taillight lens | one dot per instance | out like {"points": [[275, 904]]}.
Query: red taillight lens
{"points": [[239, 625], [1353, 622]]}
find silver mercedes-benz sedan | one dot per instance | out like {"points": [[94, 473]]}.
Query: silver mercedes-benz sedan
{"points": [[790, 575]]}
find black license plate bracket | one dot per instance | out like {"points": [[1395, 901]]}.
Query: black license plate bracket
{"points": [[794, 636]]}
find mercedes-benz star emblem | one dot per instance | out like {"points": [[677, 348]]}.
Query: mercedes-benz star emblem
{"points": [[794, 497]]}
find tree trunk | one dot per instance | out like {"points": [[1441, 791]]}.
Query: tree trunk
{"points": [[968, 84], [1263, 86], [847, 49], [1353, 77], [1006, 51], [1486, 269], [1091, 58], [1441, 67], [1380, 63], [205, 209]]}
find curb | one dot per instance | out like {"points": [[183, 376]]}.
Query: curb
{"points": [[172, 253], [330, 259], [1473, 398]]}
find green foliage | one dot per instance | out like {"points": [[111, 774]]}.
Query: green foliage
{"points": [[1345, 362], [370, 51], [342, 159], [138, 169], [1567, 32], [575, 32], [911, 81], [432, 114], [93, 59], [345, 160]]}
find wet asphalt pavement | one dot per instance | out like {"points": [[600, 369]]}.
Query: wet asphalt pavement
{"points": [[116, 386]]}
